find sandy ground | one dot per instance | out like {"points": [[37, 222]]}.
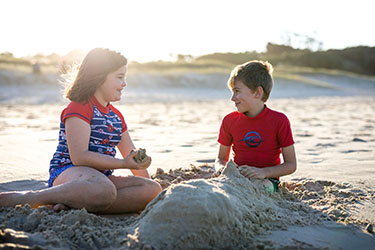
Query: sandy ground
{"points": [[334, 184], [334, 136]]}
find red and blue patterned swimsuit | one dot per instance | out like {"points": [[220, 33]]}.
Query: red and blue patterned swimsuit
{"points": [[107, 125]]}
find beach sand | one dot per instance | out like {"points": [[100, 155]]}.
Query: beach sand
{"points": [[327, 203]]}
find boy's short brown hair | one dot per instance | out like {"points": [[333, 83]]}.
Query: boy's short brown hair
{"points": [[253, 74]]}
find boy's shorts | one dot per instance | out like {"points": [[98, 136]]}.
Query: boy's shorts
{"points": [[275, 183], [57, 171]]}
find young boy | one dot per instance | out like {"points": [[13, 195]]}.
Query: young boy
{"points": [[256, 133]]}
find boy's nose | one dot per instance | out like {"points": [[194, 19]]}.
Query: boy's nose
{"points": [[232, 98], [123, 84]]}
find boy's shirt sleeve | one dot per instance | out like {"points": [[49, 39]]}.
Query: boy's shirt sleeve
{"points": [[285, 136], [76, 109], [124, 125], [225, 137]]}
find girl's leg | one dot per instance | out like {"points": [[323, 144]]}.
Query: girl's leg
{"points": [[76, 187], [133, 194]]}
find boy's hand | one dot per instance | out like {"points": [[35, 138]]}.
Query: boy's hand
{"points": [[218, 172], [252, 172], [138, 162]]}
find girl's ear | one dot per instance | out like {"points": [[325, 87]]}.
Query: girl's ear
{"points": [[259, 92]]}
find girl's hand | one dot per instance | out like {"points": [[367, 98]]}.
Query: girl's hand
{"points": [[131, 163], [252, 172]]}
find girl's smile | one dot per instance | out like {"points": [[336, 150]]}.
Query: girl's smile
{"points": [[111, 89]]}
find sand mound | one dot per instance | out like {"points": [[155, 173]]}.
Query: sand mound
{"points": [[229, 211], [219, 213], [74, 229], [338, 201], [182, 174]]}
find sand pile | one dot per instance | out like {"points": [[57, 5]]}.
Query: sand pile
{"points": [[229, 211], [182, 174], [338, 201], [74, 229]]}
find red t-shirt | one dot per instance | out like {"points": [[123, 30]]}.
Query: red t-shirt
{"points": [[256, 141]]}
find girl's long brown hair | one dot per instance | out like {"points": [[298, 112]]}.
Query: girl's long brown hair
{"points": [[92, 72]]}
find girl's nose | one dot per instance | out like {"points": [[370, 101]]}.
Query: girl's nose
{"points": [[123, 84], [232, 98]]}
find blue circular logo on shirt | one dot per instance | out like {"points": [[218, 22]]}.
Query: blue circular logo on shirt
{"points": [[252, 139]]}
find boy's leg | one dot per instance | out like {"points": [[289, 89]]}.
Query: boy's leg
{"points": [[270, 185], [133, 194]]}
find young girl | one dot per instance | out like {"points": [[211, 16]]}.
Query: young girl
{"points": [[81, 170]]}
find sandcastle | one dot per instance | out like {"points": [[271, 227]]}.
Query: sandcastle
{"points": [[220, 213]]}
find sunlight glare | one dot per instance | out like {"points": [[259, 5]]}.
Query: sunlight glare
{"points": [[152, 30]]}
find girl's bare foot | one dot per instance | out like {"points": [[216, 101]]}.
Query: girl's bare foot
{"points": [[11, 199], [59, 207]]}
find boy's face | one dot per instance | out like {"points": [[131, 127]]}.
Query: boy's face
{"points": [[244, 98]]}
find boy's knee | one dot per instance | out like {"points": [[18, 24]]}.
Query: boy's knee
{"points": [[269, 186]]}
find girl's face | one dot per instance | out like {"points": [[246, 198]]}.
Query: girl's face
{"points": [[110, 90]]}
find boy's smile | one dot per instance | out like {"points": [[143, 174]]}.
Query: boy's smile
{"points": [[247, 101]]}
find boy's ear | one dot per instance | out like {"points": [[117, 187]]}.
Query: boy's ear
{"points": [[259, 92]]}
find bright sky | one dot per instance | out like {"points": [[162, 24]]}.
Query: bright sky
{"points": [[150, 30]]}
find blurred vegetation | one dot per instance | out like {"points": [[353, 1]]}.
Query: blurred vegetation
{"points": [[286, 60], [360, 60]]}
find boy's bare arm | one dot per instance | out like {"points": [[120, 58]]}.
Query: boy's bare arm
{"points": [[222, 156], [288, 167], [222, 159]]}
